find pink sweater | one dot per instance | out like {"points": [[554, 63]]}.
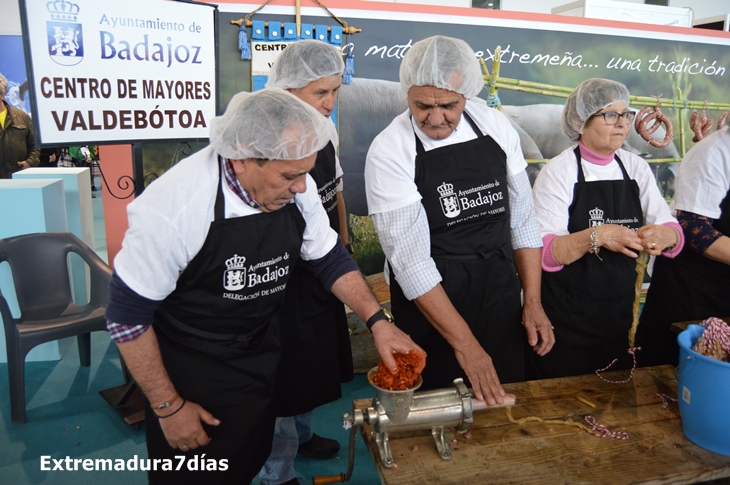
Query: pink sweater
{"points": [[548, 261]]}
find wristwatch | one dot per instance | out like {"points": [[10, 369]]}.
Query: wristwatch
{"points": [[383, 314]]}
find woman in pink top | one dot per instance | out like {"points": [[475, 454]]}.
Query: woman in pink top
{"points": [[598, 207]]}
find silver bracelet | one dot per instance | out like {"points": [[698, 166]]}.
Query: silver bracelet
{"points": [[673, 246], [595, 248]]}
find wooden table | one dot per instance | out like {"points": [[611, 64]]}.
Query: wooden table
{"points": [[499, 451]]}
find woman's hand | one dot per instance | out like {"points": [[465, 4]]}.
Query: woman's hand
{"points": [[656, 238], [619, 239]]}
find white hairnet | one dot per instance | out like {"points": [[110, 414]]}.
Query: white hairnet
{"points": [[270, 124], [442, 62], [590, 97], [303, 62]]}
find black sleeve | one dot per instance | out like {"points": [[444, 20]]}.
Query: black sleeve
{"points": [[127, 307], [333, 265]]}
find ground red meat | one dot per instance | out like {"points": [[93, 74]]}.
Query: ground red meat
{"points": [[410, 366]]}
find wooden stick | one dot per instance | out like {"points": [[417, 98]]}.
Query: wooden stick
{"points": [[495, 75], [585, 401], [298, 9], [564, 92], [682, 141]]}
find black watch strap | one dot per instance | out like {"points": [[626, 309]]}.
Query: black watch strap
{"points": [[383, 314]]}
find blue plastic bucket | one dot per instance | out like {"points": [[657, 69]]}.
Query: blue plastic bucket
{"points": [[704, 395]]}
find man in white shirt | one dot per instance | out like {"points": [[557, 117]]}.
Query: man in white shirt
{"points": [[450, 200], [198, 284]]}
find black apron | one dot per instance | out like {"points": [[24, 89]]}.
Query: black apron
{"points": [[324, 174], [219, 338], [687, 287], [316, 355], [590, 302], [464, 193]]}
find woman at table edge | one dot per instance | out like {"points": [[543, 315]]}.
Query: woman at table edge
{"points": [[694, 285], [598, 207]]}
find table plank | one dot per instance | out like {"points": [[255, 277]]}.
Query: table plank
{"points": [[498, 451]]}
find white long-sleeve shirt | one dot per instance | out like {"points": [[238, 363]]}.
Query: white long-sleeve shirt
{"points": [[395, 203]]}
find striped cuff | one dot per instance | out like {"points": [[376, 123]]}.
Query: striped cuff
{"points": [[125, 333]]}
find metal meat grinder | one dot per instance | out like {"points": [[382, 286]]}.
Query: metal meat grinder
{"points": [[407, 410], [394, 411]]}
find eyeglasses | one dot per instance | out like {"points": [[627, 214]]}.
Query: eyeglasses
{"points": [[611, 117]]}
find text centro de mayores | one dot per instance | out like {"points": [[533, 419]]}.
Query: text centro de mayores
{"points": [[59, 87]]}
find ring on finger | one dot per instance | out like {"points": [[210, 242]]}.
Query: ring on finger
{"points": [[183, 447], [653, 245]]}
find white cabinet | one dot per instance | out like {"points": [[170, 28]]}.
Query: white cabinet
{"points": [[629, 12]]}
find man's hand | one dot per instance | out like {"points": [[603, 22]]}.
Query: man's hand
{"points": [[23, 164], [473, 359], [539, 330], [390, 339], [184, 429], [477, 365]]}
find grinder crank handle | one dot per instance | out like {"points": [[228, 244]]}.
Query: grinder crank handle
{"points": [[342, 477], [323, 480], [477, 405]]}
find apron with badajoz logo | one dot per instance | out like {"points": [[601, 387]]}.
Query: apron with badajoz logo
{"points": [[218, 333], [464, 192], [590, 301]]}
